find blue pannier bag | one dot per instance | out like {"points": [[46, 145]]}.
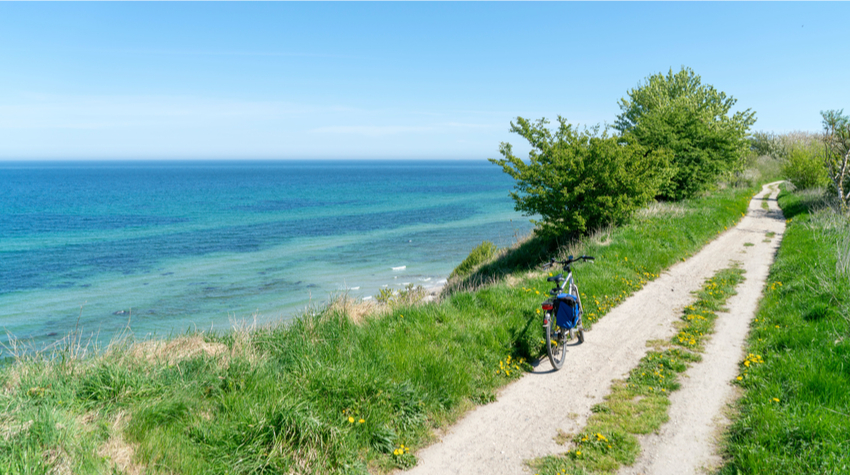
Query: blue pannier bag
{"points": [[566, 311]]}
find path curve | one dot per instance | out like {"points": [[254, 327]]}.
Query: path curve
{"points": [[522, 424]]}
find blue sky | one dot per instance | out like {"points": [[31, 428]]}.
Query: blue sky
{"points": [[384, 80]]}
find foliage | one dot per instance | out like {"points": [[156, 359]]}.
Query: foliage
{"points": [[837, 139], [804, 166], [768, 144], [481, 254], [580, 180], [677, 112], [792, 417]]}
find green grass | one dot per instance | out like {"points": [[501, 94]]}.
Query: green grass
{"points": [[639, 404], [292, 398], [794, 415]]}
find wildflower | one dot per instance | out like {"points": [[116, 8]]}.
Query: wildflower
{"points": [[578, 452], [361, 421], [775, 399], [740, 378], [350, 419]]}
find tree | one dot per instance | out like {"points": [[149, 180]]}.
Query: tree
{"points": [[578, 180], [837, 157], [679, 113]]}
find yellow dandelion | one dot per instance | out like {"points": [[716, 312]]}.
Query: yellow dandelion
{"points": [[361, 421], [350, 419], [775, 399], [578, 452], [740, 378]]}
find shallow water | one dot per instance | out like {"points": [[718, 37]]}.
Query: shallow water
{"points": [[171, 246]]}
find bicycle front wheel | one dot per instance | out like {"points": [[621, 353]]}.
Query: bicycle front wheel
{"points": [[556, 345], [580, 310]]}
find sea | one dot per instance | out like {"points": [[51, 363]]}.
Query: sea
{"points": [[157, 248]]}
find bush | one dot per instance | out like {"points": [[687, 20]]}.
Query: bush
{"points": [[677, 112], [577, 181], [768, 144], [804, 166], [481, 254]]}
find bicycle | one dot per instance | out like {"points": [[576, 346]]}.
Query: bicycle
{"points": [[567, 310]]}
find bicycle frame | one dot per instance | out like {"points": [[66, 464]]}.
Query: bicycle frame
{"points": [[556, 336]]}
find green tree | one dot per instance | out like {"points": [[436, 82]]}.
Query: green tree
{"points": [[578, 180], [679, 113], [837, 140]]}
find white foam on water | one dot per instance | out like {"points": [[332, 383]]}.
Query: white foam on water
{"points": [[367, 298], [399, 268], [425, 279], [405, 283], [354, 288]]}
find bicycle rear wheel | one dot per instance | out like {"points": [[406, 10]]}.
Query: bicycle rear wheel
{"points": [[556, 345]]}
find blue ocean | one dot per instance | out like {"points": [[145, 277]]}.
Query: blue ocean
{"points": [[169, 246]]}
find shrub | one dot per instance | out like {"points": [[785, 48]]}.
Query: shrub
{"points": [[768, 144], [577, 181], [679, 113], [481, 254], [804, 166]]}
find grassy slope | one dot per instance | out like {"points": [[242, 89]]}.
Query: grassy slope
{"points": [[292, 398], [794, 416]]}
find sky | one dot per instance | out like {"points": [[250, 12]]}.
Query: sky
{"points": [[385, 80]]}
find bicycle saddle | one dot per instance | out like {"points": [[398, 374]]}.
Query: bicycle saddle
{"points": [[557, 278]]}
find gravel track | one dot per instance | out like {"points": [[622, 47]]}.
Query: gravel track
{"points": [[522, 424]]}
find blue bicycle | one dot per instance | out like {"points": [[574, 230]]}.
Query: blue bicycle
{"points": [[563, 311]]}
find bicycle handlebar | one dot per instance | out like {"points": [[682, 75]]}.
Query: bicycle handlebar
{"points": [[567, 262]]}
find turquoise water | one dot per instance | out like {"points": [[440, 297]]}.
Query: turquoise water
{"points": [[171, 246]]}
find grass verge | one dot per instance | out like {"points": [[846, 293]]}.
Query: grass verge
{"points": [[794, 415], [639, 404], [322, 394]]}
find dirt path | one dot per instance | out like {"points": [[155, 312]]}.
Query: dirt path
{"points": [[522, 424]]}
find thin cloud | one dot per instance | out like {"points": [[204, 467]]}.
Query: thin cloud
{"points": [[370, 130]]}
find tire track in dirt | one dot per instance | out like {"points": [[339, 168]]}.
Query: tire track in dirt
{"points": [[686, 444], [522, 424]]}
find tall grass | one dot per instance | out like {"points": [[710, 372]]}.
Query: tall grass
{"points": [[794, 415], [325, 393]]}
